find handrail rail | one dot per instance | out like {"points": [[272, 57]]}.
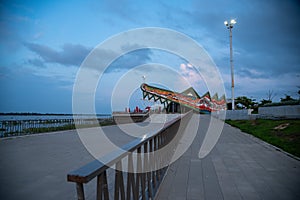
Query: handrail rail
{"points": [[138, 183]]}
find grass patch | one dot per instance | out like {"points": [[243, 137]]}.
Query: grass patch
{"points": [[284, 134]]}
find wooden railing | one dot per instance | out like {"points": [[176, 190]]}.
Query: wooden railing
{"points": [[146, 164]]}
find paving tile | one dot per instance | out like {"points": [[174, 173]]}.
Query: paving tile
{"points": [[239, 167], [195, 186]]}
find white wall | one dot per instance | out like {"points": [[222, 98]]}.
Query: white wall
{"points": [[240, 114], [286, 112]]}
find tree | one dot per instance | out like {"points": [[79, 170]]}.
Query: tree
{"points": [[270, 96], [264, 101], [245, 101], [287, 98]]}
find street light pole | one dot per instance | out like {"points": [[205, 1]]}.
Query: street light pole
{"points": [[230, 26], [231, 66]]}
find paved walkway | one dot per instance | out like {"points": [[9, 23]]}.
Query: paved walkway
{"points": [[239, 167], [35, 167]]}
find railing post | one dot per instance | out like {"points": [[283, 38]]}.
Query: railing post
{"points": [[80, 191], [119, 182], [138, 174], [143, 175], [147, 168], [152, 163], [159, 140], [130, 179], [156, 159], [102, 187]]}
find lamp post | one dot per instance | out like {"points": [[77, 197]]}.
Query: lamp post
{"points": [[229, 25]]}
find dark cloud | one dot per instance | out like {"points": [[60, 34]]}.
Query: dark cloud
{"points": [[253, 74], [116, 11], [75, 54], [36, 62], [267, 64], [265, 38], [130, 60], [69, 55]]}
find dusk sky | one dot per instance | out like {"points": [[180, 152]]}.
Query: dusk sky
{"points": [[43, 44]]}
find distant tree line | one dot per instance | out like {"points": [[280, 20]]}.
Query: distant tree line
{"points": [[243, 102]]}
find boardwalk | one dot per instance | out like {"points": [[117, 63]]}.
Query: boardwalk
{"points": [[239, 167]]}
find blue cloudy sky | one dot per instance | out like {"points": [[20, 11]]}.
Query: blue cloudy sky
{"points": [[43, 43]]}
